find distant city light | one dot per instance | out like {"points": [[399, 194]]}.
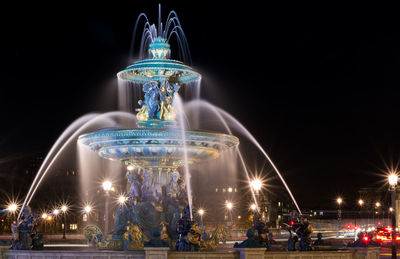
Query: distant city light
{"points": [[253, 207], [229, 205], [44, 215], [377, 204], [339, 200], [361, 202], [230, 189]]}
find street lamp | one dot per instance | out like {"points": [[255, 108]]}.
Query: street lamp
{"points": [[339, 201], [201, 213], [361, 203], [87, 209], [256, 185], [253, 207], [107, 187], [229, 206], [64, 209], [55, 213], [393, 180], [12, 208]]}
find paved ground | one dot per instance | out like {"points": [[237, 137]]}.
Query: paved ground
{"points": [[386, 252]]}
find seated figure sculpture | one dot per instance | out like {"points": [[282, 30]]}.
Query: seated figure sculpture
{"points": [[135, 189], [148, 187], [184, 227], [24, 227]]}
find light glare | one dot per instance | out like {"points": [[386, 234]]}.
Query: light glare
{"points": [[393, 179], [256, 184]]}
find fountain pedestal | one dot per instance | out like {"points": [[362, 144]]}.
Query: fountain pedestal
{"points": [[251, 253], [156, 252]]}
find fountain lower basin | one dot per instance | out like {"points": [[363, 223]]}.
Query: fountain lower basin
{"points": [[157, 147]]}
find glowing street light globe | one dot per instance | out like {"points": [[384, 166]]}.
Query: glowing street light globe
{"points": [[56, 212], [393, 179], [360, 202], [44, 215], [377, 204], [122, 199], [339, 200], [12, 207], [64, 208], [256, 184], [201, 212], [229, 205], [253, 207], [107, 185], [88, 209]]}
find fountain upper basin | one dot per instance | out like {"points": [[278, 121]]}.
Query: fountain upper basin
{"points": [[157, 147]]}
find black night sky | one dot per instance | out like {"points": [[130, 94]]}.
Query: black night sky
{"points": [[317, 85]]}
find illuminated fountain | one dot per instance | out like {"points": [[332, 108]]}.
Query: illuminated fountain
{"points": [[158, 147], [159, 151]]}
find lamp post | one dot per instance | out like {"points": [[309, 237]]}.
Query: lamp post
{"points": [[12, 208], [229, 206], [256, 185], [201, 213], [55, 213], [87, 210], [339, 201], [107, 186], [393, 180], [44, 217], [64, 209], [361, 203], [377, 206]]}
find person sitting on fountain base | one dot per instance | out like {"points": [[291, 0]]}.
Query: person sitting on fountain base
{"points": [[37, 243], [304, 231], [250, 242], [260, 230]]}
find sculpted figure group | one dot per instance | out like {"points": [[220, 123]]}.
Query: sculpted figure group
{"points": [[158, 98]]}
